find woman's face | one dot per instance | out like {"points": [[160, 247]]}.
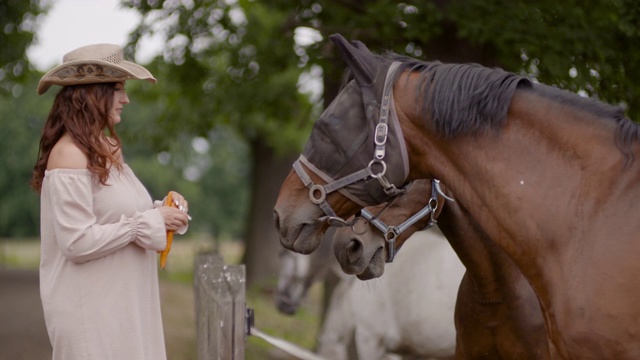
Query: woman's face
{"points": [[119, 99]]}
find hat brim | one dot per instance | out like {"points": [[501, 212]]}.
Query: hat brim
{"points": [[92, 71]]}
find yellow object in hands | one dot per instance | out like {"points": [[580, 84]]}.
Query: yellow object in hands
{"points": [[168, 201]]}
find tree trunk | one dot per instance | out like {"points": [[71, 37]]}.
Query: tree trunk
{"points": [[261, 239]]}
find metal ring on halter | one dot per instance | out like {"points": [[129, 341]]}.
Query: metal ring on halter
{"points": [[433, 202], [390, 237], [391, 233], [359, 220], [312, 191], [384, 168]]}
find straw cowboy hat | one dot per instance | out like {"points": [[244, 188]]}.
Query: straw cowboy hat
{"points": [[93, 64]]}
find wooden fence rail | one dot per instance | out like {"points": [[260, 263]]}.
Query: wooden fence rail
{"points": [[222, 319], [220, 308]]}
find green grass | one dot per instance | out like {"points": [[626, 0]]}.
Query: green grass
{"points": [[22, 254], [301, 329]]}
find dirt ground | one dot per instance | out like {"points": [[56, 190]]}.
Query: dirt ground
{"points": [[23, 335]]}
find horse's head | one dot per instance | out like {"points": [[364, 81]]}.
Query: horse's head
{"points": [[299, 272], [355, 149], [364, 149], [373, 239], [292, 281]]}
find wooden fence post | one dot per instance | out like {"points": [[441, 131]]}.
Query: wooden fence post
{"points": [[220, 308]]}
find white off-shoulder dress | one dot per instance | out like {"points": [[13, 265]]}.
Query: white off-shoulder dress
{"points": [[98, 267]]}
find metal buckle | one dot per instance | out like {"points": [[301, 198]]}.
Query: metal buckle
{"points": [[381, 134]]}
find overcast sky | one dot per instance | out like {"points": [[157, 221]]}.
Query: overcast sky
{"points": [[74, 23]]}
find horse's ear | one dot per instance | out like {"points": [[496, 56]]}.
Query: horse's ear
{"points": [[360, 60]]}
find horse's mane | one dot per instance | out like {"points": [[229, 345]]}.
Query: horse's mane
{"points": [[626, 131], [461, 98], [470, 99]]}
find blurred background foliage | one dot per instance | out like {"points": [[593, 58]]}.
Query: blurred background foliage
{"points": [[19, 26], [241, 82]]}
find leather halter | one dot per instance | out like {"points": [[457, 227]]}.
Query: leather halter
{"points": [[391, 232], [318, 192]]}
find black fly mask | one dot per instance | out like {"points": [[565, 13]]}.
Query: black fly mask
{"points": [[357, 146]]}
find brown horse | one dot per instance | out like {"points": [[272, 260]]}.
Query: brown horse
{"points": [[550, 176], [497, 314]]}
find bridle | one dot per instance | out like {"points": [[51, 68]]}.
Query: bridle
{"points": [[318, 192], [391, 232]]}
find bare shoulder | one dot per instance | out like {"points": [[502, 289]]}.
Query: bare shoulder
{"points": [[66, 155]]}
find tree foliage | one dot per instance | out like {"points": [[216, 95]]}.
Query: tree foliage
{"points": [[18, 208], [588, 47], [230, 62], [22, 118], [18, 21]]}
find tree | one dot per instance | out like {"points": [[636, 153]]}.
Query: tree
{"points": [[230, 64], [23, 115], [18, 21], [18, 208]]}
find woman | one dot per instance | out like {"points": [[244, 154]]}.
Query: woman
{"points": [[100, 230]]}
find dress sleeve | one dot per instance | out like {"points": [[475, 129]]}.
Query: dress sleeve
{"points": [[79, 236]]}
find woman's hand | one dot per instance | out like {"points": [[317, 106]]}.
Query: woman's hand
{"points": [[180, 202], [175, 217]]}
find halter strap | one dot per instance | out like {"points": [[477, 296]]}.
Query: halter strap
{"points": [[318, 193], [392, 232]]}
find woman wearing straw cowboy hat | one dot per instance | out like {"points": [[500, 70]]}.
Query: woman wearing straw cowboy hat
{"points": [[100, 229]]}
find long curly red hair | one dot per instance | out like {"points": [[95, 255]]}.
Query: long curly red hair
{"points": [[82, 111]]}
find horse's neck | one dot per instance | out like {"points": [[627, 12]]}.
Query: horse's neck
{"points": [[546, 163], [548, 188], [488, 266]]}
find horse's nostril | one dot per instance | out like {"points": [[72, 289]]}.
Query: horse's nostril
{"points": [[276, 219], [354, 250]]}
